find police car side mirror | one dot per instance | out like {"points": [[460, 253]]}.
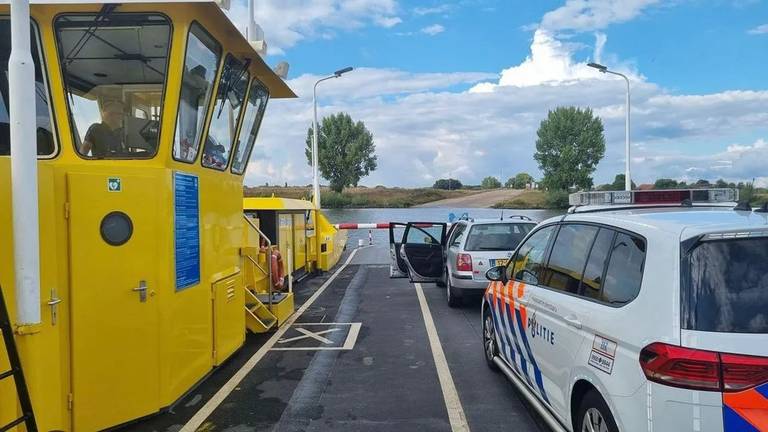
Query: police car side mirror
{"points": [[497, 274]]}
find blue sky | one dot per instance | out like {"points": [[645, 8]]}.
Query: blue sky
{"points": [[460, 87]]}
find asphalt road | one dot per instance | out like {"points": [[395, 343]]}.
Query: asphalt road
{"points": [[478, 200], [381, 377]]}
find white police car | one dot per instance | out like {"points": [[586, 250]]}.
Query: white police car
{"points": [[649, 313]]}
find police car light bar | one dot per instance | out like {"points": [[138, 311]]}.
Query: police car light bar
{"points": [[651, 197]]}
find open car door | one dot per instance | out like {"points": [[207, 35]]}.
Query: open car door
{"points": [[422, 249], [397, 266]]}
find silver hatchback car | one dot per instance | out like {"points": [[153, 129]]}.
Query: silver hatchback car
{"points": [[473, 246]]}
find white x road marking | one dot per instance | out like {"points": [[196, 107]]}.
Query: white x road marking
{"points": [[309, 334]]}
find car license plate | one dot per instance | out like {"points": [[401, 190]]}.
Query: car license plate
{"points": [[499, 262]]}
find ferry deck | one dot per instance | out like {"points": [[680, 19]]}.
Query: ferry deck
{"points": [[363, 352]]}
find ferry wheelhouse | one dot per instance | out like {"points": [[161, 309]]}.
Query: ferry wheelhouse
{"points": [[146, 116]]}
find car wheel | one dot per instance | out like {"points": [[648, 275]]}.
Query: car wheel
{"points": [[490, 350], [594, 415], [441, 282], [453, 300]]}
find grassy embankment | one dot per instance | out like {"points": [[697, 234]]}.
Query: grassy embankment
{"points": [[361, 197], [537, 199]]}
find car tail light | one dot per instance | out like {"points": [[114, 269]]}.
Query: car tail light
{"points": [[702, 370], [463, 262], [741, 372]]}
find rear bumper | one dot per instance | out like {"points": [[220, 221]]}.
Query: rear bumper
{"points": [[460, 284]]}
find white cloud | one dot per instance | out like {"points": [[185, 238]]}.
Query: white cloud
{"points": [[287, 22], [388, 22], [433, 30], [600, 40], [376, 83], [593, 14], [432, 10], [550, 63], [761, 29]]}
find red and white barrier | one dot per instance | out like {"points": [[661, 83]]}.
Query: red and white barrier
{"points": [[352, 226], [370, 226]]}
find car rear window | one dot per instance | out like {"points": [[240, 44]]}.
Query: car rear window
{"points": [[725, 286], [496, 237]]}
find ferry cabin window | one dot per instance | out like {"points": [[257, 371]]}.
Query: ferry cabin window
{"points": [[226, 114], [200, 68], [114, 68], [45, 136], [254, 112]]}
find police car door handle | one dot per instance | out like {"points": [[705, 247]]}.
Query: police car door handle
{"points": [[573, 321]]}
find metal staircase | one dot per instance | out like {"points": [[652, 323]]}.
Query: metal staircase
{"points": [[27, 417], [258, 317]]}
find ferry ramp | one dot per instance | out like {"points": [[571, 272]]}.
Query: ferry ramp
{"points": [[364, 353]]}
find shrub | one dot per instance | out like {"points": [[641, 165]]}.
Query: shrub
{"points": [[556, 199]]}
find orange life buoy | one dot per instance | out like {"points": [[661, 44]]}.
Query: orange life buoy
{"points": [[278, 273]]}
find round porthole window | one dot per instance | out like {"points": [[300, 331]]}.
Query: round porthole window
{"points": [[116, 228]]}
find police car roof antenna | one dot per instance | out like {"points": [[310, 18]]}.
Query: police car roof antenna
{"points": [[502, 214]]}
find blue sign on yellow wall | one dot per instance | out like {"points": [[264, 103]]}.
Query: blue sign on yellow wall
{"points": [[186, 229]]}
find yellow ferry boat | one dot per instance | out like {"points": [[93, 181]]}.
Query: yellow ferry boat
{"points": [[151, 264]]}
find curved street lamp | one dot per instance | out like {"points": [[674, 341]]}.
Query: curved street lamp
{"points": [[604, 69], [315, 168]]}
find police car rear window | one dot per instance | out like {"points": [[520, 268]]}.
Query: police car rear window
{"points": [[725, 286]]}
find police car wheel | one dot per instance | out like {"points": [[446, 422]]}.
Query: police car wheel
{"points": [[594, 415], [453, 300], [441, 282], [489, 340]]}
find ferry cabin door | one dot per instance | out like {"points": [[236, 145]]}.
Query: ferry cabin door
{"points": [[299, 242], [285, 239], [113, 257]]}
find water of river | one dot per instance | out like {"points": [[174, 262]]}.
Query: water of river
{"points": [[418, 215]]}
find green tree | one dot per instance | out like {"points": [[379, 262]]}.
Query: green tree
{"points": [[721, 183], [447, 184], [618, 183], [569, 146], [665, 183], [490, 183], [519, 181], [346, 151]]}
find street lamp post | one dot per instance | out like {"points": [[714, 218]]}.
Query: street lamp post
{"points": [[627, 177], [315, 167]]}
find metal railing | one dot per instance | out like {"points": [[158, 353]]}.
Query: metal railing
{"points": [[269, 258]]}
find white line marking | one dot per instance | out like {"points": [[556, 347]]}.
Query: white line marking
{"points": [[450, 395], [354, 330], [233, 382], [309, 334], [349, 342]]}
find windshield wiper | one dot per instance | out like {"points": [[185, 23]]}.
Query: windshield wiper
{"points": [[230, 84]]}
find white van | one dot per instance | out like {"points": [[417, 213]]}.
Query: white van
{"points": [[638, 317]]}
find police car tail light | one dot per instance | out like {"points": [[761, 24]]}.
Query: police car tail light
{"points": [[681, 367], [463, 262], [702, 370], [650, 197], [742, 372]]}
